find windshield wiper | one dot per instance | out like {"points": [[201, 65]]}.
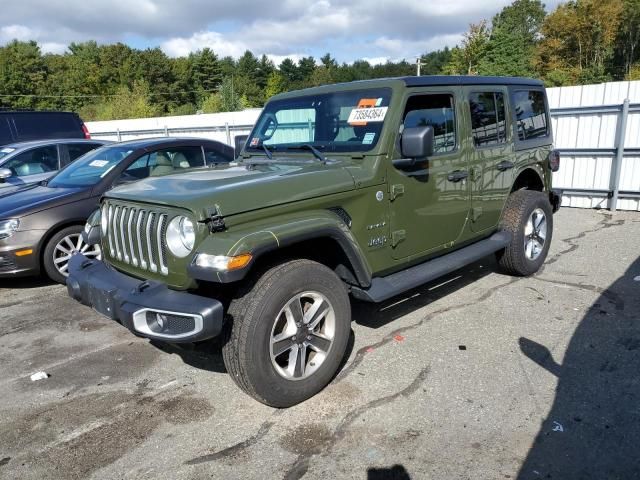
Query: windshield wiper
{"points": [[267, 150], [311, 148]]}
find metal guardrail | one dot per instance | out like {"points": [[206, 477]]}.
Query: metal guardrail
{"points": [[617, 153]]}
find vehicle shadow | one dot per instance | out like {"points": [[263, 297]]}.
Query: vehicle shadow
{"points": [[593, 427], [24, 283], [373, 315], [397, 472], [208, 355]]}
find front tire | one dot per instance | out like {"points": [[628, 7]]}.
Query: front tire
{"points": [[288, 333], [61, 247], [528, 216]]}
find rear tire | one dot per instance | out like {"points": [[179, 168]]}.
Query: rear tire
{"points": [[528, 216], [287, 333]]}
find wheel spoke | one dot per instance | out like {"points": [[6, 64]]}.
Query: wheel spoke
{"points": [[63, 268], [529, 249], [62, 249], [317, 318], [295, 308], [301, 362], [61, 259], [69, 243], [79, 242], [311, 312], [281, 344], [528, 228], [84, 248], [293, 358], [538, 245], [319, 343]]}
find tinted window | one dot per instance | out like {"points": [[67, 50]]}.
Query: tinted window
{"points": [[91, 168], [32, 126], [34, 161], [212, 155], [437, 111], [531, 114], [78, 149], [488, 118], [5, 132]]}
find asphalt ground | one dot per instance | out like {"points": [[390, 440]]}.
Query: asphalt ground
{"points": [[478, 375]]}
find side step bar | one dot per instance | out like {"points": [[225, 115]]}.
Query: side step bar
{"points": [[383, 288]]}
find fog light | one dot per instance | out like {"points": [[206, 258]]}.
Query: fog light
{"points": [[222, 263], [165, 324]]}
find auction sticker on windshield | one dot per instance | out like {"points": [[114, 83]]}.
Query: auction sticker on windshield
{"points": [[98, 163], [363, 116]]}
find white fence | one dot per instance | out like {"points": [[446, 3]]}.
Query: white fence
{"points": [[596, 128]]}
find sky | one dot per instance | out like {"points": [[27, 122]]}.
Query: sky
{"points": [[375, 30]]}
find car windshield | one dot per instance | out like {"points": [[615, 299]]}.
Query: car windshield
{"points": [[6, 151], [90, 168], [331, 122]]}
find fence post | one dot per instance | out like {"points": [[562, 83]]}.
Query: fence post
{"points": [[616, 168], [118, 134], [166, 131], [226, 129]]}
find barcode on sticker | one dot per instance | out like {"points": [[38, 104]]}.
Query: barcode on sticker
{"points": [[375, 114]]}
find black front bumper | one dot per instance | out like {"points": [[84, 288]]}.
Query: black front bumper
{"points": [[125, 299]]}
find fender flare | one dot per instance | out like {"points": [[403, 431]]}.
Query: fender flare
{"points": [[280, 232]]}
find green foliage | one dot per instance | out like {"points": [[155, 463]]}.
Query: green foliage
{"points": [[128, 103], [226, 99]]}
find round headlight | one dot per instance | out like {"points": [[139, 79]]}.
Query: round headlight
{"points": [[181, 236], [104, 219]]}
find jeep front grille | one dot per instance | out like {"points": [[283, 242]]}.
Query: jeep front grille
{"points": [[136, 236]]}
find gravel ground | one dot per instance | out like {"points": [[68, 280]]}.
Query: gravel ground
{"points": [[477, 376]]}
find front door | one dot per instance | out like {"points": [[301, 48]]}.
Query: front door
{"points": [[492, 155], [430, 203]]}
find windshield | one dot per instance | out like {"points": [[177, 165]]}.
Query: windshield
{"points": [[332, 122], [90, 168], [6, 151]]}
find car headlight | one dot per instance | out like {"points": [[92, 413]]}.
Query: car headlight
{"points": [[181, 236], [7, 227]]}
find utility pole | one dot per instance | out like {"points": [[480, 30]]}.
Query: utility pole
{"points": [[418, 65]]}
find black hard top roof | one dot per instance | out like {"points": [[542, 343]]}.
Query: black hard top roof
{"points": [[429, 80]]}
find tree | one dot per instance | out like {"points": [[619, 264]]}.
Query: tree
{"points": [[22, 74], [514, 35], [225, 100], [433, 63], [126, 103], [579, 39], [465, 59], [628, 41], [207, 73], [275, 84]]}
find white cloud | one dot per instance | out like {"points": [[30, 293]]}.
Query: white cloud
{"points": [[349, 29]]}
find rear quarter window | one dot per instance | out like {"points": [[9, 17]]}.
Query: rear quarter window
{"points": [[530, 117], [33, 126]]}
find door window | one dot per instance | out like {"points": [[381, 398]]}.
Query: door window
{"points": [[76, 150], [34, 161], [488, 118], [213, 156], [531, 114], [437, 111]]}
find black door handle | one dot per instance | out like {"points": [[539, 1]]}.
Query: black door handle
{"points": [[504, 165], [457, 176]]}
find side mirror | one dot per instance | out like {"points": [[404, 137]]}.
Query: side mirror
{"points": [[416, 144], [239, 142], [4, 174]]}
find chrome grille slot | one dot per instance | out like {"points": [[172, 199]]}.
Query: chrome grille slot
{"points": [[132, 252], [139, 223], [136, 236], [123, 217], [162, 221], [150, 220]]}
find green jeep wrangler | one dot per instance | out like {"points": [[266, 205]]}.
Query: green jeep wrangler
{"points": [[365, 190]]}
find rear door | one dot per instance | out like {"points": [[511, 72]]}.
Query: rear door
{"points": [[491, 159], [72, 151]]}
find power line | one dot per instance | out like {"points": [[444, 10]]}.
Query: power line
{"points": [[102, 95]]}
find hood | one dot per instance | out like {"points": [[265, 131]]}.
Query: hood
{"points": [[35, 198], [238, 188]]}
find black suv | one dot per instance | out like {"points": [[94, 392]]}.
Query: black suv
{"points": [[24, 126]]}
